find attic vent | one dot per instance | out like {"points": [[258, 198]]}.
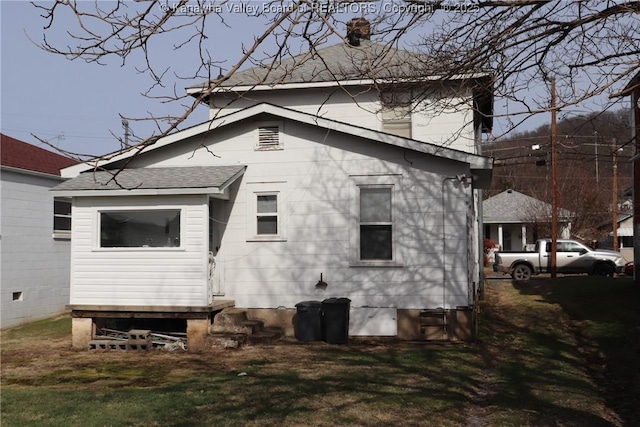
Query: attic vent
{"points": [[269, 137]]}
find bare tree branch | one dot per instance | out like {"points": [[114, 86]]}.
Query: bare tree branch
{"points": [[590, 47]]}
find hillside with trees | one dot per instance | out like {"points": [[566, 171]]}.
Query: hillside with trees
{"points": [[586, 147]]}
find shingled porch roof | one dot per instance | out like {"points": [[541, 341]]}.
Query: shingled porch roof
{"points": [[152, 181]]}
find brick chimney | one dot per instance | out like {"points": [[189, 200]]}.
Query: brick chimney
{"points": [[358, 29]]}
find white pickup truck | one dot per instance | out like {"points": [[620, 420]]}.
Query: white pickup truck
{"points": [[571, 257]]}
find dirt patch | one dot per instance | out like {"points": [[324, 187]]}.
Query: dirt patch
{"points": [[31, 363], [527, 368]]}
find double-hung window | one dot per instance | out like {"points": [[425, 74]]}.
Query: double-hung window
{"points": [[376, 223], [267, 221], [375, 217], [267, 214], [61, 217]]}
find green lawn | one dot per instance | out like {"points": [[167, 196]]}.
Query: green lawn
{"points": [[561, 353]]}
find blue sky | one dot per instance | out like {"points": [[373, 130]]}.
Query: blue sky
{"points": [[76, 105], [49, 95]]}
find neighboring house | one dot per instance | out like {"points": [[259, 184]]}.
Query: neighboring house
{"points": [[511, 218], [35, 233], [261, 204], [625, 235]]}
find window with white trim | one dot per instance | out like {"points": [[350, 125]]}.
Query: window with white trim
{"points": [[149, 228], [267, 214], [375, 215], [61, 216], [376, 223]]}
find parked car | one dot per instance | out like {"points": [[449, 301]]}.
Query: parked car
{"points": [[628, 268], [571, 257]]}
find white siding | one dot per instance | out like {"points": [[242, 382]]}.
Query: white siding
{"points": [[358, 107], [315, 170], [448, 123], [34, 264], [140, 276]]}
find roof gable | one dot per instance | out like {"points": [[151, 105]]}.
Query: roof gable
{"points": [[511, 206], [21, 155], [480, 165]]}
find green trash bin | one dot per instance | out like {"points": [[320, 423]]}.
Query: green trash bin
{"points": [[309, 322], [335, 320]]}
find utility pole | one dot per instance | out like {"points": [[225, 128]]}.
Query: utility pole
{"points": [[614, 204], [554, 180], [595, 137]]}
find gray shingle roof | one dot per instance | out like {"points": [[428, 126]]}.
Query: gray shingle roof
{"points": [[511, 206], [339, 62], [154, 178]]}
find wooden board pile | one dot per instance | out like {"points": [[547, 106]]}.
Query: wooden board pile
{"points": [[137, 340]]}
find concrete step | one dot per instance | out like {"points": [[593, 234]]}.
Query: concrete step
{"points": [[232, 328], [228, 340], [252, 326], [229, 320], [266, 337]]}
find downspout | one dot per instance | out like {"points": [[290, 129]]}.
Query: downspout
{"points": [[459, 179]]}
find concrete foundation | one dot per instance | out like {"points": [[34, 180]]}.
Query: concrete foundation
{"points": [[283, 318], [82, 331], [413, 325], [463, 325], [197, 331], [434, 325]]}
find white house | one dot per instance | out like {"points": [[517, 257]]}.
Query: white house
{"points": [[511, 219], [624, 233], [256, 206], [35, 233]]}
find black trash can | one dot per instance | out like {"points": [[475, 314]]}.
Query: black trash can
{"points": [[309, 324], [335, 320]]}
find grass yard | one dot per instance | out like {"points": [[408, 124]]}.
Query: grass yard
{"points": [[562, 353]]}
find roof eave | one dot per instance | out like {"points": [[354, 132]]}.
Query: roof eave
{"points": [[196, 91], [141, 192], [32, 173]]}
